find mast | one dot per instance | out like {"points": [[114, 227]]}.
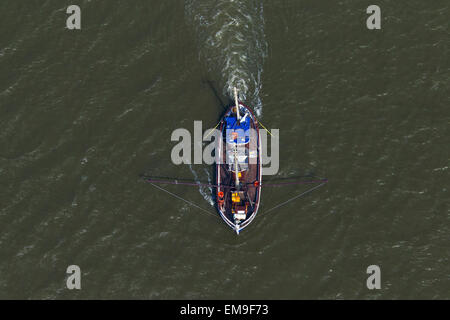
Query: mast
{"points": [[236, 165], [238, 116], [236, 101]]}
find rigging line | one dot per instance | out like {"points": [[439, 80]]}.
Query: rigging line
{"points": [[178, 197], [265, 128], [292, 199], [213, 129]]}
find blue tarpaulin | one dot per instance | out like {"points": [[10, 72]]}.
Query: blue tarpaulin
{"points": [[233, 126]]}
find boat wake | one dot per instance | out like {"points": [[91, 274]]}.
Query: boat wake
{"points": [[232, 44], [205, 191]]}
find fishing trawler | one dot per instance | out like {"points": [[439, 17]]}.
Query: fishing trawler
{"points": [[238, 166], [238, 171]]}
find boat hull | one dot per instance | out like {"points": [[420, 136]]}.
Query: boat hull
{"points": [[249, 177]]}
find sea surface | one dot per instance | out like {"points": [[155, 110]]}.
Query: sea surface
{"points": [[84, 112]]}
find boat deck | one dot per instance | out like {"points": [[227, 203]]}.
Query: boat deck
{"points": [[247, 189]]}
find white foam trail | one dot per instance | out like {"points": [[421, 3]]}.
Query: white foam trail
{"points": [[207, 195], [232, 44]]}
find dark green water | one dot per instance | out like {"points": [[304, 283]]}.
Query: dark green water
{"points": [[83, 113]]}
